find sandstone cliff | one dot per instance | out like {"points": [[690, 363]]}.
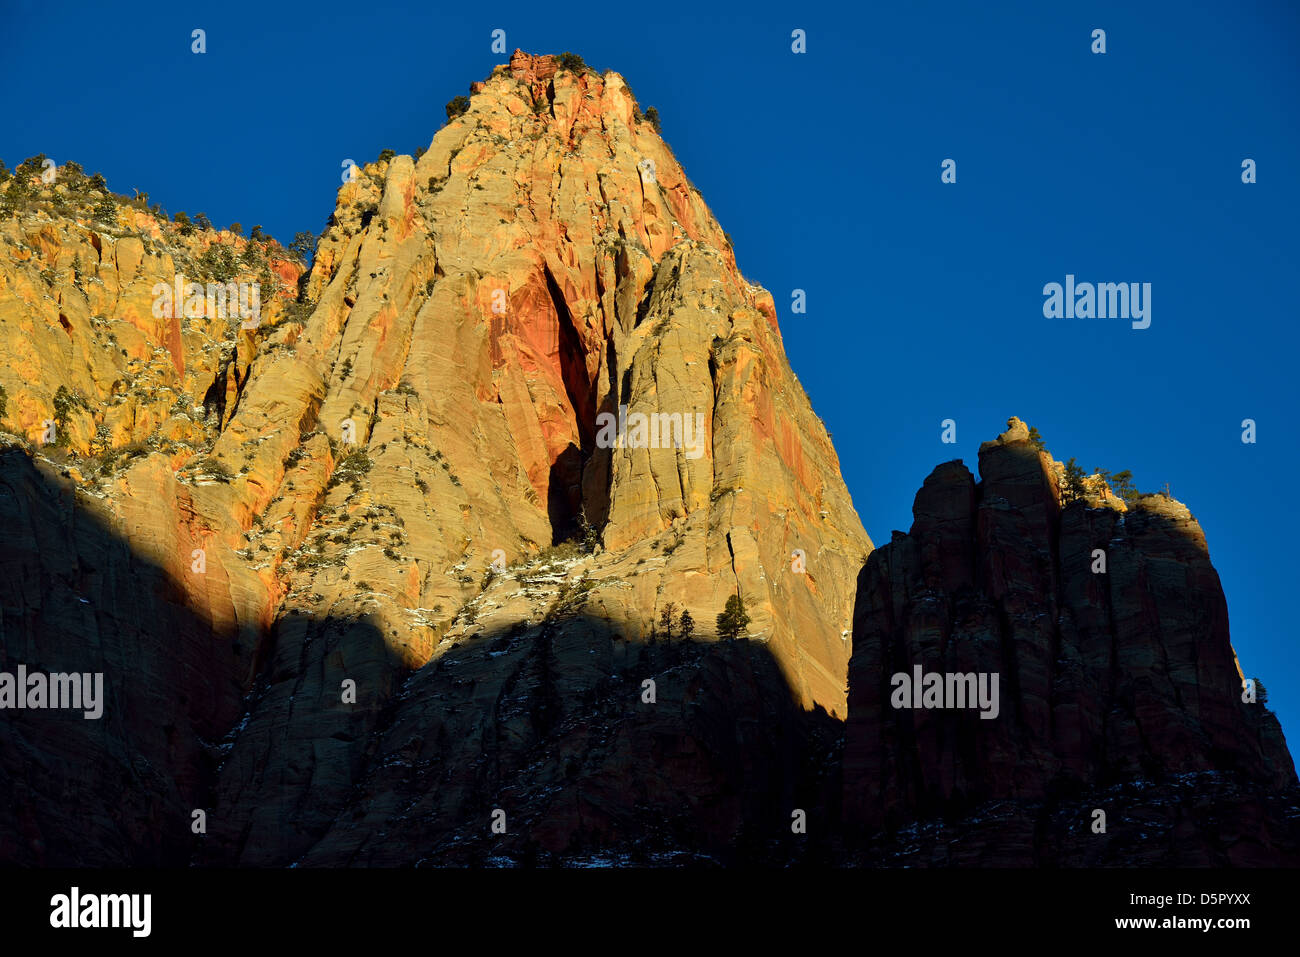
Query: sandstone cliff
{"points": [[381, 492]]}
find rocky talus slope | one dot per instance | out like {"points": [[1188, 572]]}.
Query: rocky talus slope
{"points": [[369, 585]]}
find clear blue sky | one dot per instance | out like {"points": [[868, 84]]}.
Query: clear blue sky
{"points": [[924, 299]]}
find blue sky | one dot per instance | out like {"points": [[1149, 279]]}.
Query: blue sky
{"points": [[924, 299]]}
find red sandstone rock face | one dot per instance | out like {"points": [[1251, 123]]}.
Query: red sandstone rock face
{"points": [[1112, 677], [544, 262], [530, 68]]}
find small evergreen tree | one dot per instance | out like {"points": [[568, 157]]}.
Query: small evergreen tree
{"points": [[1074, 487], [1035, 439], [456, 106], [202, 221], [30, 169], [666, 619], [686, 626], [588, 535], [19, 190], [218, 262], [105, 211], [733, 620], [571, 62], [652, 115], [1122, 483], [386, 155], [65, 400], [1261, 693], [303, 245], [217, 469]]}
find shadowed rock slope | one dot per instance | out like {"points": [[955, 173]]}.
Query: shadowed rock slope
{"points": [[1119, 686]]}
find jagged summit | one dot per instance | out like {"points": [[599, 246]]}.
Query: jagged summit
{"points": [[545, 262], [1100, 488]]}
